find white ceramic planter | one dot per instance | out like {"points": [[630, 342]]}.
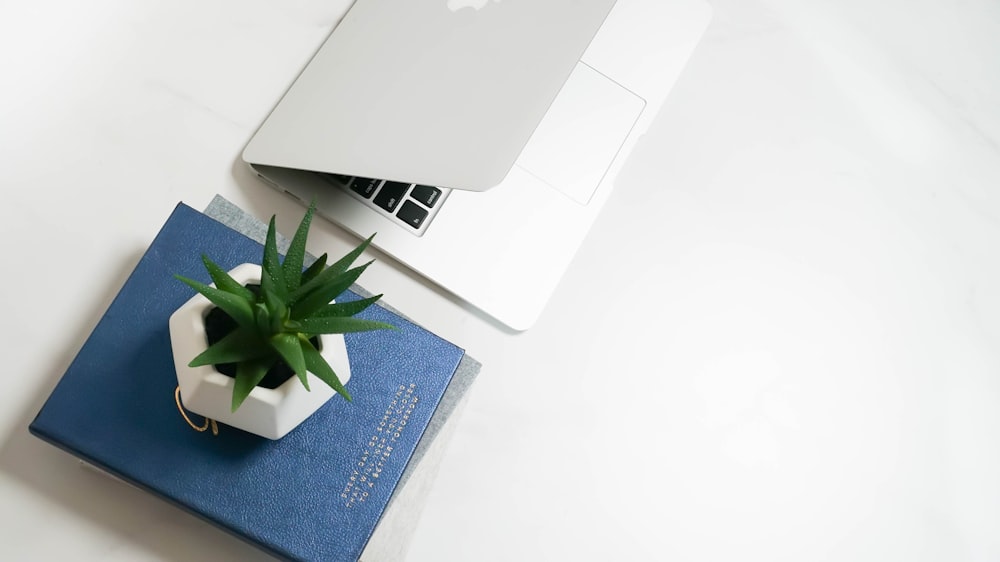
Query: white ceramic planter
{"points": [[270, 413]]}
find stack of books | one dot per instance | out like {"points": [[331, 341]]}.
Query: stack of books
{"points": [[344, 485]]}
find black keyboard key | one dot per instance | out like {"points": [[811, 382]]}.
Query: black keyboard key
{"points": [[412, 214], [426, 194], [364, 186], [391, 194]]}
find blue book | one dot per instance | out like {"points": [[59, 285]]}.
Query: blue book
{"points": [[315, 494]]}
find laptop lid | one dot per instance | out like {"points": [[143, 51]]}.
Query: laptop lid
{"points": [[437, 92]]}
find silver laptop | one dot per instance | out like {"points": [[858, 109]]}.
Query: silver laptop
{"points": [[478, 138]]}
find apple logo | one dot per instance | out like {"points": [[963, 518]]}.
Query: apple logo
{"points": [[456, 5]]}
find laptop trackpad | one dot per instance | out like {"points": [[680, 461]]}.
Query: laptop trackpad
{"points": [[581, 133]]}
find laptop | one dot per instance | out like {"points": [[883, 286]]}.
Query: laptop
{"points": [[478, 138]]}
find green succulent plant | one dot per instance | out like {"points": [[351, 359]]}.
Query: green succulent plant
{"points": [[292, 306]]}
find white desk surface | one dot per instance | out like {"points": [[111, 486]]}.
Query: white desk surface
{"points": [[781, 340]]}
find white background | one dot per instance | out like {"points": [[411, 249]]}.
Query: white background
{"points": [[781, 340]]}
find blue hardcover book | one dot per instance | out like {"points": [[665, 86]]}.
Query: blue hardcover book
{"points": [[315, 494]]}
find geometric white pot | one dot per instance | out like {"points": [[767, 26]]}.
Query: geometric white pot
{"points": [[267, 412]]}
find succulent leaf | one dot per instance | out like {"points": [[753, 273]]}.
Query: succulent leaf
{"points": [[262, 318], [323, 294], [277, 311], [273, 277], [289, 346], [238, 345], [248, 375], [234, 305], [292, 266], [345, 262], [319, 367], [313, 270], [331, 272], [344, 308], [339, 325], [223, 281]]}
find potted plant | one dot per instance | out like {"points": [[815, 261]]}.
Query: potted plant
{"points": [[239, 343]]}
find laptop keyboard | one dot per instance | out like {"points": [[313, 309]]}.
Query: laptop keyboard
{"points": [[412, 206]]}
